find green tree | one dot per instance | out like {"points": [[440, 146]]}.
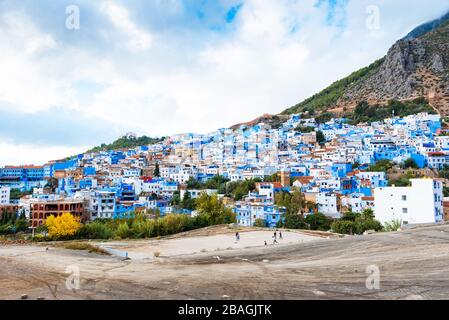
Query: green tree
{"points": [[194, 184], [176, 199], [318, 221], [381, 166], [368, 214], [320, 138], [294, 221], [410, 163], [156, 171], [214, 210], [294, 201], [304, 129], [187, 202]]}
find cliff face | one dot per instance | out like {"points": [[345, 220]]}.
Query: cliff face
{"points": [[416, 66], [412, 68]]}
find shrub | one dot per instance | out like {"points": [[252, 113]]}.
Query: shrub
{"points": [[7, 229], [318, 221], [343, 227], [142, 228], [393, 225], [21, 225], [175, 223], [369, 225], [260, 223], [123, 231], [62, 227], [294, 221], [356, 223], [95, 230]]}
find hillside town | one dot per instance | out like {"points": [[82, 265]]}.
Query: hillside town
{"points": [[332, 164]]}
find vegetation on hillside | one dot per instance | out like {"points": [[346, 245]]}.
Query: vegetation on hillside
{"points": [[381, 166], [127, 142], [364, 112], [329, 96]]}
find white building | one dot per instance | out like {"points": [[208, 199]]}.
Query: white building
{"points": [[5, 195], [328, 204], [103, 205], [420, 203]]}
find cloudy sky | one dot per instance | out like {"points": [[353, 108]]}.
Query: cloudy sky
{"points": [[160, 67]]}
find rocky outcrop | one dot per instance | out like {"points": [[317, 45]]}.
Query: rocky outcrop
{"points": [[415, 66], [412, 68]]}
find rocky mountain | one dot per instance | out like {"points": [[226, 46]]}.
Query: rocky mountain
{"points": [[416, 66]]}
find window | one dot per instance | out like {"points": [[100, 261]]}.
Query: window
{"points": [[404, 198], [404, 210]]}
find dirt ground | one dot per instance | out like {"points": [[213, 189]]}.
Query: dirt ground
{"points": [[199, 243], [413, 264]]}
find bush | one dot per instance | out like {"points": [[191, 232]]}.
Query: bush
{"points": [[260, 223], [174, 223], [7, 229], [370, 225], [123, 231], [21, 225], [294, 221], [410, 163], [141, 228], [343, 227], [356, 223], [95, 230], [318, 221], [64, 227], [393, 225]]}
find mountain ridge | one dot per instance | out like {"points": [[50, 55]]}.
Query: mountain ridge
{"points": [[416, 66]]}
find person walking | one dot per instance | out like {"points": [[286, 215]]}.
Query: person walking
{"points": [[280, 234], [237, 236], [275, 236]]}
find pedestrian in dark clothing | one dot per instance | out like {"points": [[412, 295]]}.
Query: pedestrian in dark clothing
{"points": [[280, 234]]}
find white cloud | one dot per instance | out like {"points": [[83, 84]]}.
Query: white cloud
{"points": [[135, 38], [24, 80], [12, 154]]}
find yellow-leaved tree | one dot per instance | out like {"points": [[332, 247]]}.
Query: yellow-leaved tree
{"points": [[62, 227]]}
